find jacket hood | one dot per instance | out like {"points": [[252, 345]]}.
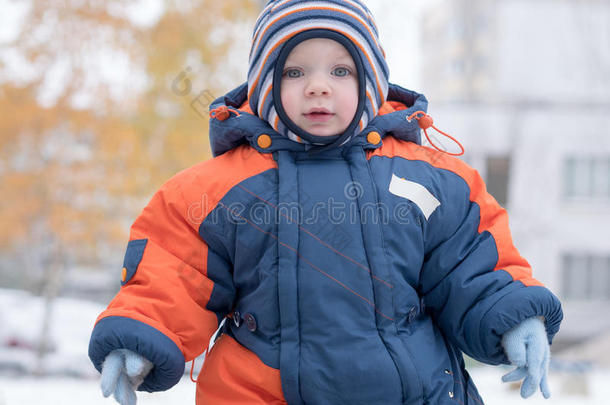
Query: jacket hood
{"points": [[238, 125]]}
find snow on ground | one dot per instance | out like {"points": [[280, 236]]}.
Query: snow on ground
{"points": [[72, 378], [566, 388], [71, 391], [21, 321]]}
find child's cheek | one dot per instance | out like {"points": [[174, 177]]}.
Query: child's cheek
{"points": [[349, 101], [290, 100]]}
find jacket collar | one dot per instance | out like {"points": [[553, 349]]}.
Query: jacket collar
{"points": [[234, 130]]}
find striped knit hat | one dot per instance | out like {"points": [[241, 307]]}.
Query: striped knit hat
{"points": [[281, 26]]}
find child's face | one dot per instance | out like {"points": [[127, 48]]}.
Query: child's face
{"points": [[320, 87]]}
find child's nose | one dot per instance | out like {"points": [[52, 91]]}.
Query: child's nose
{"points": [[317, 86]]}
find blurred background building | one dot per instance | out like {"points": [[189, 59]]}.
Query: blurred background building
{"points": [[525, 85]]}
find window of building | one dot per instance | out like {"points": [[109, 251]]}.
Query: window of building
{"points": [[456, 67], [586, 177], [585, 277], [498, 177], [455, 29]]}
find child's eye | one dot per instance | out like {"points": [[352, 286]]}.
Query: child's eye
{"points": [[341, 72], [293, 73]]}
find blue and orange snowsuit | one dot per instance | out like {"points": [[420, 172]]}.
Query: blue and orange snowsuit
{"points": [[354, 276]]}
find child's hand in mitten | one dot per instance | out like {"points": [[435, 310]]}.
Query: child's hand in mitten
{"points": [[122, 372], [527, 347]]}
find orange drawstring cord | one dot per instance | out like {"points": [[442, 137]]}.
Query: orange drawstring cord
{"points": [[222, 113], [425, 121], [205, 353]]}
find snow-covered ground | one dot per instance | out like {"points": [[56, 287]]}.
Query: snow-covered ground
{"points": [[69, 391], [71, 379], [566, 389], [20, 328]]}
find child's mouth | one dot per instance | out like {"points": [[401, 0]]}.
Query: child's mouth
{"points": [[319, 115]]}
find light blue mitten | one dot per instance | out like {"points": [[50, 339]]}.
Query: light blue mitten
{"points": [[526, 346], [122, 372]]}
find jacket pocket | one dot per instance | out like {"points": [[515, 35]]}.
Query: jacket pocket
{"points": [[133, 257]]}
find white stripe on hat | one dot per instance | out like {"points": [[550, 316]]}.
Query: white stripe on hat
{"points": [[265, 89]]}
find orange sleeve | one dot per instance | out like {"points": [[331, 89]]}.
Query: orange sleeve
{"points": [[170, 289]]}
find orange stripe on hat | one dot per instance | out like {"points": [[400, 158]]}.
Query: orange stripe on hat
{"points": [[375, 109], [262, 103]]}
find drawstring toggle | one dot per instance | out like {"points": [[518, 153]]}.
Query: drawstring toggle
{"points": [[222, 113], [425, 121]]}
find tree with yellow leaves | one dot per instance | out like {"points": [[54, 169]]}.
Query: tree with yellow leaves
{"points": [[81, 152]]}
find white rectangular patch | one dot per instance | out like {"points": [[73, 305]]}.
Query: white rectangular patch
{"points": [[416, 193]]}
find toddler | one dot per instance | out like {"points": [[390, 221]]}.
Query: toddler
{"points": [[350, 264]]}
